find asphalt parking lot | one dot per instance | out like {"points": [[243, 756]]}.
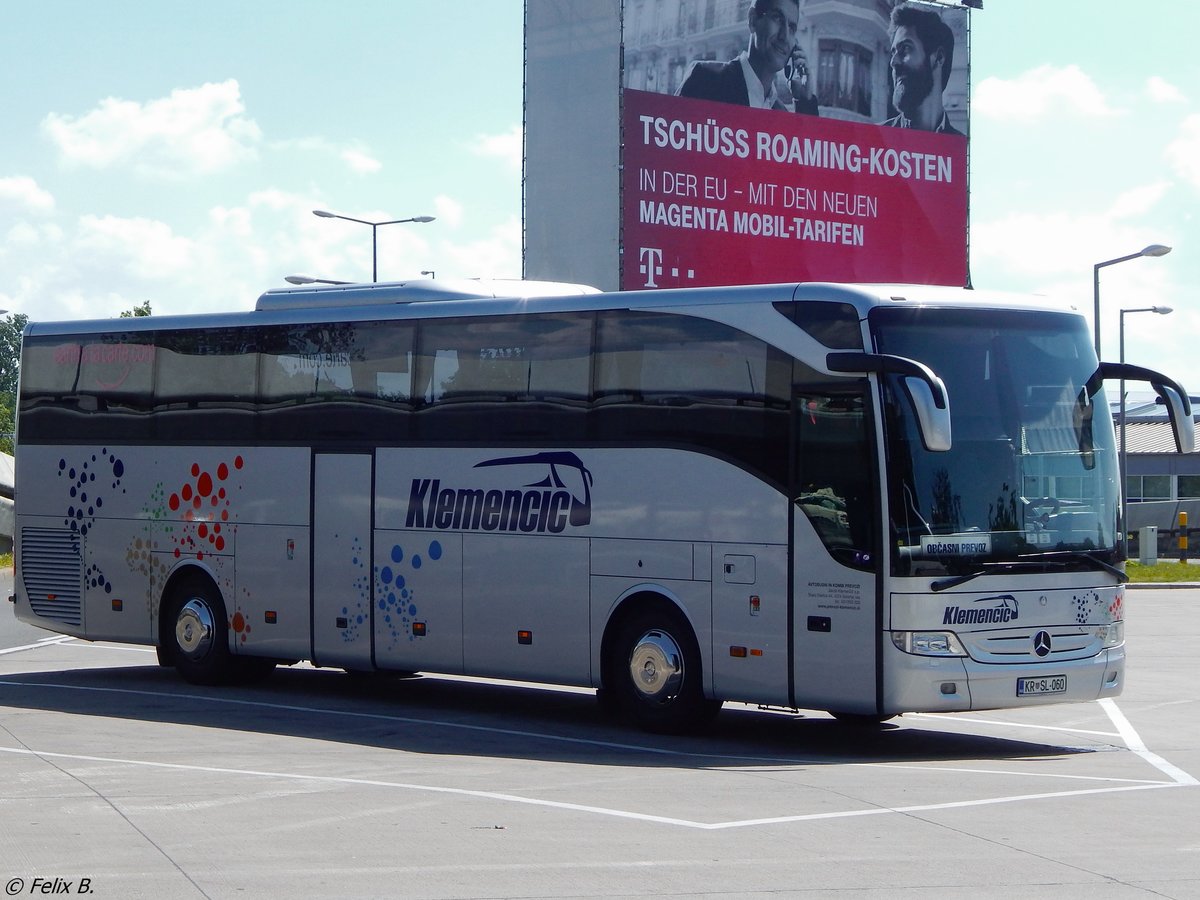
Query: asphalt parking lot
{"points": [[118, 779]]}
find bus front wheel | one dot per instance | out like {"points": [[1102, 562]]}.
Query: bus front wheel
{"points": [[656, 674]]}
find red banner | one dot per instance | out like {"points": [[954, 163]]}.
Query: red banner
{"points": [[714, 193]]}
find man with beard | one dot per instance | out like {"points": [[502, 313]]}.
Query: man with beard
{"points": [[750, 79], [922, 56]]}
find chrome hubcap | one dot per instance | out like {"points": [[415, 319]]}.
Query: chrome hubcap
{"points": [[194, 629], [656, 666]]}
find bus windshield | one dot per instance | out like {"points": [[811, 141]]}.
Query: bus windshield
{"points": [[1030, 474]]}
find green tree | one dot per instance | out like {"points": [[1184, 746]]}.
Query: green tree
{"points": [[137, 311], [11, 328]]}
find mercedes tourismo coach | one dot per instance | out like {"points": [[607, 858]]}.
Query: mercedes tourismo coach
{"points": [[866, 500]]}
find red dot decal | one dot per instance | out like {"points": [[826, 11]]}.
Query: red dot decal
{"points": [[196, 501], [220, 543], [222, 471], [186, 492], [237, 462], [204, 485], [195, 469], [239, 622], [173, 502], [202, 530]]}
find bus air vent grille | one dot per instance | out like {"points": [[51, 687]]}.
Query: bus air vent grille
{"points": [[51, 564]]}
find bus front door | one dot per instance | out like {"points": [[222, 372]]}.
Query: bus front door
{"points": [[835, 552], [341, 555]]}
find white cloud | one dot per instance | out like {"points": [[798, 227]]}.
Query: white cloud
{"points": [[1042, 246], [1137, 201], [192, 131], [360, 162], [144, 248], [449, 211], [1183, 153], [1041, 93], [354, 157], [496, 256], [507, 147], [23, 192], [1162, 91]]}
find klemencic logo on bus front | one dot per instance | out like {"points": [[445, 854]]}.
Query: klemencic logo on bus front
{"points": [[544, 506], [996, 610]]}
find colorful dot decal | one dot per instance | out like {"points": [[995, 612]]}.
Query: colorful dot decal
{"points": [[396, 592]]}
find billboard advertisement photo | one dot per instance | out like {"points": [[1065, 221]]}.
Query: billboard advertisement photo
{"points": [[771, 141]]}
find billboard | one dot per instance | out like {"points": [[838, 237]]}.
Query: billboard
{"points": [[755, 141]]}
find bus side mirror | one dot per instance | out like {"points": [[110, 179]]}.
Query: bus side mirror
{"points": [[1179, 411], [926, 391], [934, 421], [1173, 396]]}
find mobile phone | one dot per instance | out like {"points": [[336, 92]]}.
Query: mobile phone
{"points": [[791, 70]]}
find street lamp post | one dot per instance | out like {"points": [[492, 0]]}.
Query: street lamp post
{"points": [[1124, 462], [325, 214], [1152, 250]]}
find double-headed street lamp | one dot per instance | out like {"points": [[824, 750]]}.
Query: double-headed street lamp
{"points": [[325, 214], [1152, 250], [1162, 311]]}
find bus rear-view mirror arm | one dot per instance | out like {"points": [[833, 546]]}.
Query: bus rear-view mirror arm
{"points": [[1174, 397], [926, 391]]}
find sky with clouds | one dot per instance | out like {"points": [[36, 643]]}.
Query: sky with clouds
{"points": [[173, 152]]}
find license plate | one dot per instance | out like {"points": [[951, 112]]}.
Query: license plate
{"points": [[1046, 684]]}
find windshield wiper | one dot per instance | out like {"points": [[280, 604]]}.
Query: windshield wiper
{"points": [[1030, 561], [1079, 556], [945, 584]]}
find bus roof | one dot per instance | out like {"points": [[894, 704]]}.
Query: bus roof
{"points": [[456, 297], [324, 295]]}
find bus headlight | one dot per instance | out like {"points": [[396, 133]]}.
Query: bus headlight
{"points": [[1112, 635], [928, 643]]}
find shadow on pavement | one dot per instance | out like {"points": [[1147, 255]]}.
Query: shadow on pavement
{"points": [[432, 715]]}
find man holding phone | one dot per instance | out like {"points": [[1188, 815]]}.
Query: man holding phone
{"points": [[751, 79]]}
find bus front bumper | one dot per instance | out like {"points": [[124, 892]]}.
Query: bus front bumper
{"points": [[948, 684]]}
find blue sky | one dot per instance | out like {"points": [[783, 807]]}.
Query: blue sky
{"points": [[173, 152]]}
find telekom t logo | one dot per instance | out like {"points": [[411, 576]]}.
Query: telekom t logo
{"points": [[651, 264]]}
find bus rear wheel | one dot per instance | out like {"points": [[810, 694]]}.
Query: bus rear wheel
{"points": [[655, 673]]}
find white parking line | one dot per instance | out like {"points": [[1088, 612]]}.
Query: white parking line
{"points": [[1134, 742], [1111, 785], [575, 807], [44, 642]]}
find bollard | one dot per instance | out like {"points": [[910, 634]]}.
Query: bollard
{"points": [[1148, 545], [1183, 536]]}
